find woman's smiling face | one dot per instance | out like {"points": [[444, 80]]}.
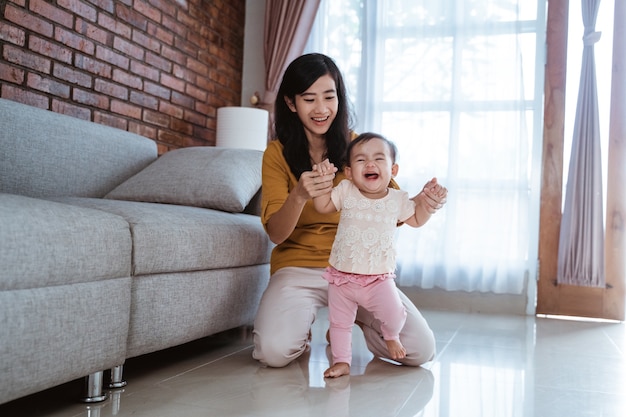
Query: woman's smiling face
{"points": [[317, 106]]}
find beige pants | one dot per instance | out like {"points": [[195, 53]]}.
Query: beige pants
{"points": [[290, 304]]}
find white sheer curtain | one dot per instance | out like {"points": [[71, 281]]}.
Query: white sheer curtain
{"points": [[457, 84]]}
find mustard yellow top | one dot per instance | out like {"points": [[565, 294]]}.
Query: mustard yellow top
{"points": [[310, 243]]}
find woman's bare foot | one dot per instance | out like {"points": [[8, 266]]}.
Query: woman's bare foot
{"points": [[396, 350], [337, 370]]}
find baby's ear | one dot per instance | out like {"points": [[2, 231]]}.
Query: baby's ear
{"points": [[394, 170]]}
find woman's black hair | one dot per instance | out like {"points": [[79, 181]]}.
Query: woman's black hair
{"points": [[298, 77]]}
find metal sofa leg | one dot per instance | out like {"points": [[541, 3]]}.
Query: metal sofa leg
{"points": [[117, 378], [93, 388]]}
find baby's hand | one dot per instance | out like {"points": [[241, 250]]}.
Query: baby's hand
{"points": [[435, 189], [439, 191], [325, 167], [436, 194]]}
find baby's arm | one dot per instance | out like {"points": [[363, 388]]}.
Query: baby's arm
{"points": [[323, 203], [427, 202]]}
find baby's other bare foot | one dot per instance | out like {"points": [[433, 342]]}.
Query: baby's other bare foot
{"points": [[337, 370], [396, 350]]}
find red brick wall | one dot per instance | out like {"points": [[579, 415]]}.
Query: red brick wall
{"points": [[159, 68]]}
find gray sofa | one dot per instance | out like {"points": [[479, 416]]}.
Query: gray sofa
{"points": [[108, 252]]}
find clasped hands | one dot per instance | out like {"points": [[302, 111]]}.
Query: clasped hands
{"points": [[319, 180], [433, 196]]}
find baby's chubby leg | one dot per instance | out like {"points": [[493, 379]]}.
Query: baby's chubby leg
{"points": [[416, 336], [384, 302], [341, 313]]}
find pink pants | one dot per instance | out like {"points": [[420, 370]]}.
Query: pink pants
{"points": [[380, 297], [290, 305]]}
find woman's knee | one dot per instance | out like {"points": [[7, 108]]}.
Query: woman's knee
{"points": [[274, 354], [420, 351]]}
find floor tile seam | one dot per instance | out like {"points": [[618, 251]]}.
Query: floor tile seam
{"points": [[490, 346], [578, 390], [445, 347], [187, 405], [206, 363], [408, 397], [574, 351], [614, 343]]}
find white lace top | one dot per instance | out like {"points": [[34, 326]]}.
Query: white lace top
{"points": [[365, 235]]}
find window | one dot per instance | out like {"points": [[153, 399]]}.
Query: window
{"points": [[458, 85]]}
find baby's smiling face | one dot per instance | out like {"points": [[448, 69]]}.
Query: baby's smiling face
{"points": [[371, 167]]}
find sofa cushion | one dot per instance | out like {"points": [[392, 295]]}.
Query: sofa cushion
{"points": [[49, 154], [217, 178], [172, 238], [44, 243]]}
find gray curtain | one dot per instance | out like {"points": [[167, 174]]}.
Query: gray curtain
{"points": [[287, 27], [581, 242]]}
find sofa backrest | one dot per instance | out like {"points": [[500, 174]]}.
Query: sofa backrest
{"points": [[46, 154]]}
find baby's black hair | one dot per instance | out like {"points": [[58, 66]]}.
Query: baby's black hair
{"points": [[367, 136]]}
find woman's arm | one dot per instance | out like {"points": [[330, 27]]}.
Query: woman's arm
{"points": [[282, 223]]}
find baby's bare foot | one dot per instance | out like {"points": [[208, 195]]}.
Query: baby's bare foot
{"points": [[337, 370], [396, 350]]}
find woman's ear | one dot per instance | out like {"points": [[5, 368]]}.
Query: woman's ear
{"points": [[290, 104]]}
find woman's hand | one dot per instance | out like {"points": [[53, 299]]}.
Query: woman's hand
{"points": [[433, 196], [316, 182], [312, 184]]}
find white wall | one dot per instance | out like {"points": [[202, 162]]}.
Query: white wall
{"points": [[253, 78]]}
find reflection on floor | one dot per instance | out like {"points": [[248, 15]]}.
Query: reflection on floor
{"points": [[487, 366]]}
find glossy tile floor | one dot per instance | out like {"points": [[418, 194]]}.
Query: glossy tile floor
{"points": [[487, 366]]}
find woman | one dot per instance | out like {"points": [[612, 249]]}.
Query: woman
{"points": [[312, 121]]}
